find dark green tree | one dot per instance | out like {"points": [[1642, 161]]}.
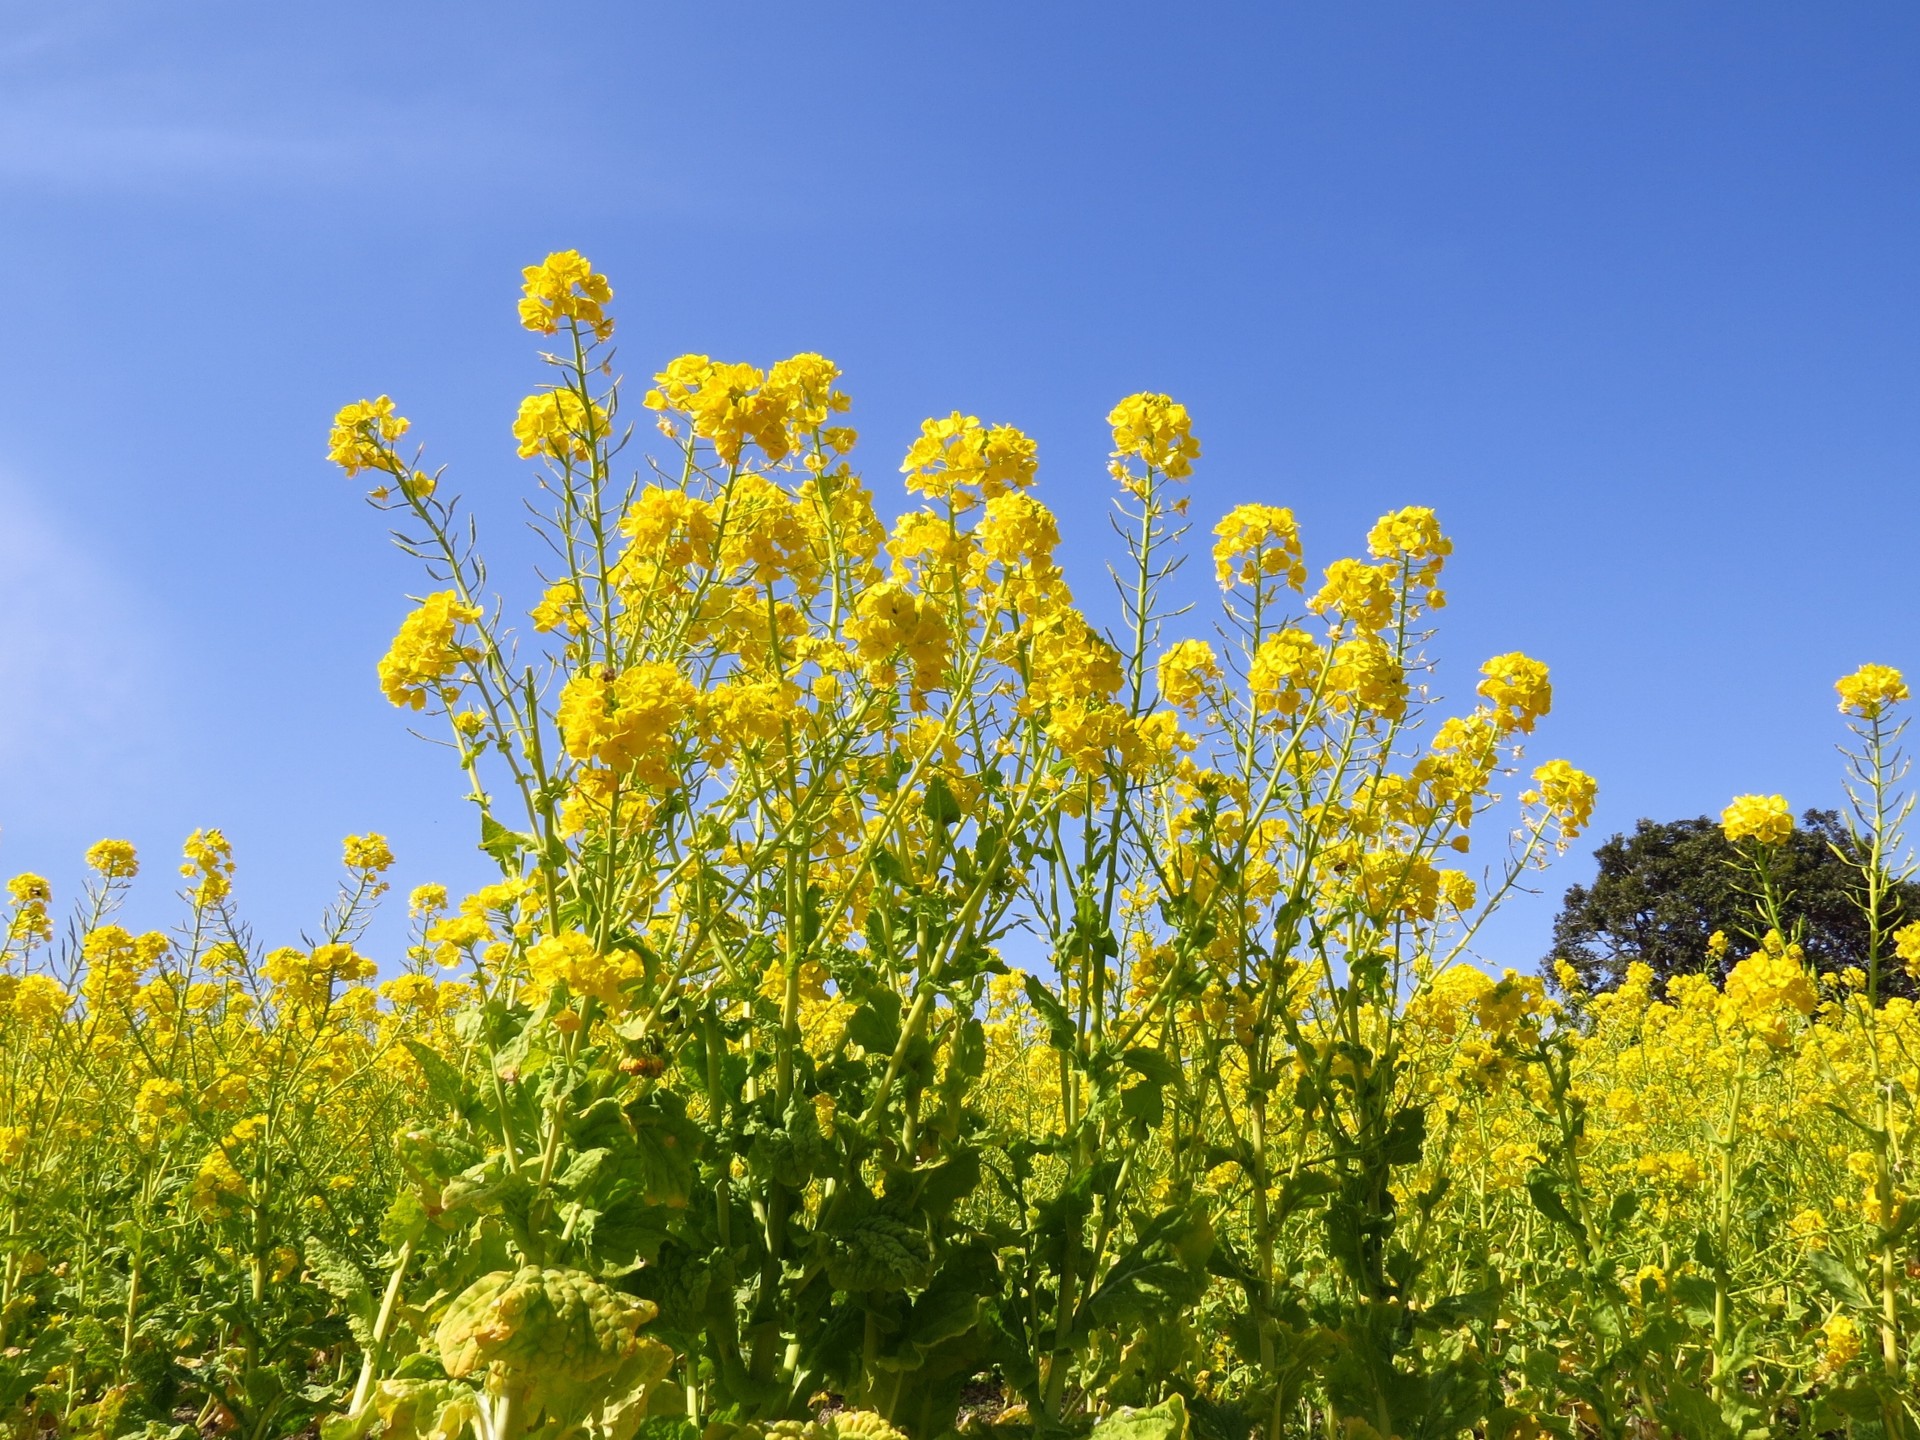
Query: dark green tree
{"points": [[1663, 891]]}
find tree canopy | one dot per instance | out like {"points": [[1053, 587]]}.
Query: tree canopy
{"points": [[1663, 891]]}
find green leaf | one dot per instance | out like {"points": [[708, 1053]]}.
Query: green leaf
{"points": [[502, 844], [967, 1056], [875, 1026], [1060, 1028], [875, 1247], [405, 1220], [425, 1409], [1835, 1406], [950, 1306], [445, 1085], [1143, 1105], [1625, 1206], [1474, 1305], [1305, 1188], [1406, 1136], [1545, 1194], [1153, 1065], [1159, 1275], [940, 805], [581, 1170], [1165, 1421], [1692, 1412], [948, 1181], [1838, 1279], [1696, 1296], [343, 1280], [660, 1157]]}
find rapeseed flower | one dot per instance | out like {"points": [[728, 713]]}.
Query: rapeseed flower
{"points": [[1156, 430], [565, 286], [1518, 690], [113, 859], [1871, 691], [424, 653], [1258, 542], [1764, 819]]}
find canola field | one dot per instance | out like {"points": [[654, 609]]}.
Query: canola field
{"points": [[739, 1105]]}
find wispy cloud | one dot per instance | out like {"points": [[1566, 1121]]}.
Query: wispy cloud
{"points": [[88, 103], [93, 152], [28, 33], [82, 670]]}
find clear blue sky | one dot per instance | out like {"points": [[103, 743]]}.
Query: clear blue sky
{"points": [[1627, 291]]}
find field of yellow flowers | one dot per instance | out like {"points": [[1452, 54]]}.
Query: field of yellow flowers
{"points": [[725, 1112]]}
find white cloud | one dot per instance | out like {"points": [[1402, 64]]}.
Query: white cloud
{"points": [[92, 103], [95, 153], [85, 106], [78, 666]]}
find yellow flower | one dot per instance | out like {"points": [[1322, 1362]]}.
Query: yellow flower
{"points": [[780, 410], [1412, 537], [114, 859], [1187, 670], [560, 609], [1839, 1343], [1365, 675], [1761, 989], [746, 714], [801, 389], [559, 424], [209, 863], [764, 533], [31, 896], [1285, 669], [1906, 944], [1457, 890], [1809, 1227], [565, 287], [1258, 541], [891, 620], [1517, 1003], [158, 1102], [570, 961], [1361, 593], [1518, 690], [960, 461], [456, 933], [1568, 794], [427, 900], [366, 852], [1084, 730], [29, 889], [1762, 818], [626, 721], [1156, 430], [1669, 1169], [216, 1186], [363, 435], [1068, 662], [114, 966], [1390, 884], [1870, 690], [423, 653], [308, 977], [1018, 531], [40, 1000]]}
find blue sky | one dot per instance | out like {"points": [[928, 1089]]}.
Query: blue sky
{"points": [[1627, 292]]}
